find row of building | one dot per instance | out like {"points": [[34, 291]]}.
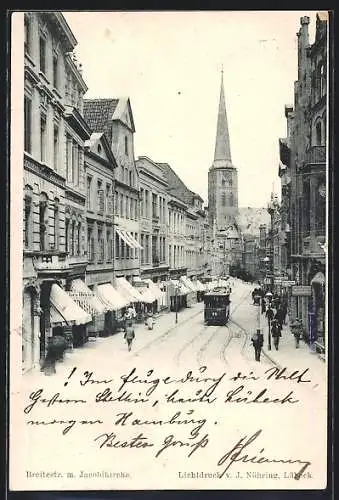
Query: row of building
{"points": [[94, 216], [296, 237]]}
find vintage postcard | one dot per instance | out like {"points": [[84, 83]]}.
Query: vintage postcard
{"points": [[169, 244]]}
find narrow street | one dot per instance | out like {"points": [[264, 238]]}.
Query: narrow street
{"points": [[173, 350]]}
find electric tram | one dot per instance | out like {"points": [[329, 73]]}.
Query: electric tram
{"points": [[217, 306]]}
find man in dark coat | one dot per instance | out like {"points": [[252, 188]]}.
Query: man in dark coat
{"points": [[258, 342], [269, 314]]}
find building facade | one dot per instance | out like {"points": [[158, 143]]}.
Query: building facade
{"points": [[54, 135], [304, 162], [154, 262], [114, 118]]}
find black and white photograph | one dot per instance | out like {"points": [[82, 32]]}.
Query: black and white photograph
{"points": [[169, 235]]}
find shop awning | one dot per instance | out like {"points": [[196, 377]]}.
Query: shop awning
{"points": [[128, 291], [111, 298], [64, 310], [158, 294], [127, 237], [200, 286], [143, 288], [180, 287], [188, 284], [86, 299], [318, 278]]}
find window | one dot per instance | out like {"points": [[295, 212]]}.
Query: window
{"points": [[28, 217], [101, 246], [146, 203], [318, 134], [143, 249], [28, 124], [117, 246], [127, 207], [116, 203], [56, 147], [122, 249], [79, 239], [55, 71], [42, 54], [89, 192], [67, 235], [146, 249], [322, 78], [126, 145], [223, 199], [43, 220], [101, 201], [69, 169], [75, 163], [90, 244], [109, 246], [109, 200], [73, 239], [27, 35], [122, 214], [43, 138], [154, 205], [231, 199], [56, 224], [130, 178]]}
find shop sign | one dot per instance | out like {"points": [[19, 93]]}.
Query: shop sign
{"points": [[302, 290], [140, 284], [288, 283]]}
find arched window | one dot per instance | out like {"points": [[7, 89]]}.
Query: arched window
{"points": [[318, 133]]}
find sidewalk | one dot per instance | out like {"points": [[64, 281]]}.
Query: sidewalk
{"points": [[288, 354], [111, 350]]}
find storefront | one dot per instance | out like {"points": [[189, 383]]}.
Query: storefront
{"points": [[318, 304], [192, 290], [115, 304], [90, 303], [67, 318]]}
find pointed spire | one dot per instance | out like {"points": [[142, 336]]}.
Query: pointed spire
{"points": [[222, 143]]}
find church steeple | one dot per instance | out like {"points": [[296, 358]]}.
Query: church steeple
{"points": [[222, 152]]}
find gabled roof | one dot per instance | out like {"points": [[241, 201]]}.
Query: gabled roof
{"points": [[91, 146], [177, 187], [99, 114]]}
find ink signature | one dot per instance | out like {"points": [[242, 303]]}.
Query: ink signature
{"points": [[236, 454]]}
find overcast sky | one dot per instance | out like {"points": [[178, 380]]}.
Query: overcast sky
{"points": [[169, 64]]}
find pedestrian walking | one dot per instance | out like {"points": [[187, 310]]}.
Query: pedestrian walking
{"points": [[263, 305], [129, 336], [279, 316], [276, 334], [150, 322], [258, 342], [296, 327], [269, 314]]}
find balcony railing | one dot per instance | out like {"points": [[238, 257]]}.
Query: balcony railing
{"points": [[51, 260], [316, 154]]}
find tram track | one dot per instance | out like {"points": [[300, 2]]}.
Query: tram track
{"points": [[164, 336], [229, 339]]}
